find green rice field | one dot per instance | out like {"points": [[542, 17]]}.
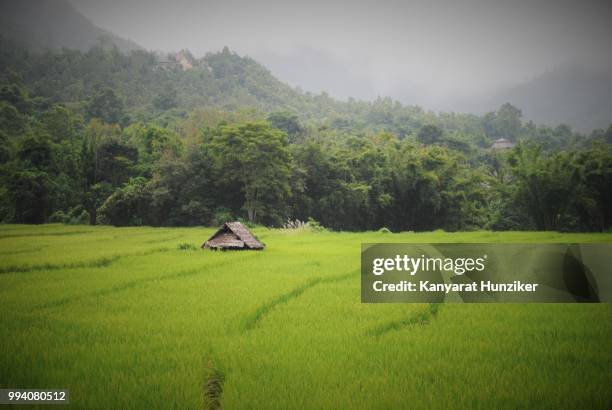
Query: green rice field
{"points": [[142, 318]]}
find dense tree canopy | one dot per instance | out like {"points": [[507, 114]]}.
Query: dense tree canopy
{"points": [[103, 137]]}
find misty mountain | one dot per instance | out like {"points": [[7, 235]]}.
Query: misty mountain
{"points": [[580, 97], [145, 88], [43, 24], [569, 94], [316, 71]]}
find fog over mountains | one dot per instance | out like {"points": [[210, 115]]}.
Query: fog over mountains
{"points": [[575, 93], [549, 58], [42, 24]]}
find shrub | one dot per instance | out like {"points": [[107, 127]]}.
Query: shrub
{"points": [[249, 224], [315, 226], [81, 219], [58, 217], [127, 205], [184, 246], [222, 215], [76, 216]]}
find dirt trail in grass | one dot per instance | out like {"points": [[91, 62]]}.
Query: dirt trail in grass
{"points": [[95, 263], [129, 285], [251, 320], [21, 251], [420, 318], [212, 388], [38, 234], [114, 289]]}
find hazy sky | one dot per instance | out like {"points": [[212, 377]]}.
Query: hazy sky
{"points": [[427, 52]]}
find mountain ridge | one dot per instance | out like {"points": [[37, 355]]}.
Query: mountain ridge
{"points": [[571, 93], [568, 94]]}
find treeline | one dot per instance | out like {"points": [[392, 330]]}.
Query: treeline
{"points": [[91, 156]]}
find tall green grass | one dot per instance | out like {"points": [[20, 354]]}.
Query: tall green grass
{"points": [[132, 318]]}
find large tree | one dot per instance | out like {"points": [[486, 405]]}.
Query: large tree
{"points": [[505, 123], [546, 185], [256, 156], [107, 106]]}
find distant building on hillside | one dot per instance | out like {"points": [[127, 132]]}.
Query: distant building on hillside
{"points": [[183, 60], [502, 144], [167, 65]]}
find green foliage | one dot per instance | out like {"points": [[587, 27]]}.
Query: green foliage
{"points": [[185, 246], [11, 121], [115, 162], [430, 134], [133, 144], [35, 151], [505, 123], [5, 151], [166, 99], [546, 185], [77, 216], [15, 95], [594, 200], [61, 124], [58, 217], [288, 122], [315, 226], [153, 141], [127, 205], [223, 215], [29, 191], [256, 157], [106, 106], [114, 87]]}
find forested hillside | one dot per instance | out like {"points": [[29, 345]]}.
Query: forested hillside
{"points": [[130, 139], [224, 80]]}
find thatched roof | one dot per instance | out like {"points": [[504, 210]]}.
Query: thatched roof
{"points": [[233, 235]]}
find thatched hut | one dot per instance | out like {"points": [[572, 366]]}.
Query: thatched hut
{"points": [[233, 235]]}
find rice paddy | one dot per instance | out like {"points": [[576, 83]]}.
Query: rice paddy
{"points": [[137, 318]]}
